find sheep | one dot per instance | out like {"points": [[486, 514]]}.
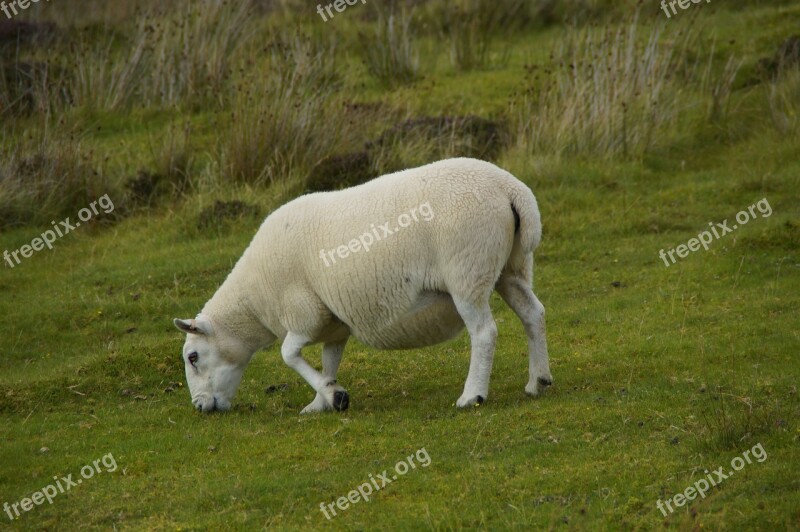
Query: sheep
{"points": [[327, 266]]}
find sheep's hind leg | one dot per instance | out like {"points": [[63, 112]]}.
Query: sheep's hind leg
{"points": [[331, 358], [483, 335], [515, 289], [333, 394]]}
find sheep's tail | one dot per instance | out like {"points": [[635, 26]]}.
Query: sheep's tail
{"points": [[523, 203]]}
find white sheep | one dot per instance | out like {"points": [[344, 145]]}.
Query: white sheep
{"points": [[403, 261]]}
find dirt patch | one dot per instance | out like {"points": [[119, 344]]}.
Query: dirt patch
{"points": [[360, 109], [340, 171], [786, 57], [19, 32], [20, 81], [470, 136], [143, 188], [446, 136]]}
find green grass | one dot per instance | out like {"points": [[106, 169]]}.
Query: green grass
{"points": [[660, 372]]}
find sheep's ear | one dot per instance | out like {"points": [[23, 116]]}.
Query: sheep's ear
{"points": [[188, 326]]}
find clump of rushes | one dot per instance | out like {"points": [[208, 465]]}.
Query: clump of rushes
{"points": [[168, 174], [192, 49], [29, 86], [415, 141], [470, 38], [176, 56], [784, 102], [47, 176], [390, 53], [106, 75], [286, 119], [720, 87], [173, 159], [472, 25], [605, 93]]}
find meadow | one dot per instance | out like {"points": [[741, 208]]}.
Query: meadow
{"points": [[637, 132]]}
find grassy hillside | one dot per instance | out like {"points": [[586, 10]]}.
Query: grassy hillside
{"points": [[636, 132]]}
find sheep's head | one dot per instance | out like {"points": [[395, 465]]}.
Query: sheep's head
{"points": [[215, 362]]}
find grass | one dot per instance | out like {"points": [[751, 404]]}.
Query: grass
{"points": [[285, 120], [660, 372], [612, 94], [45, 174], [390, 53]]}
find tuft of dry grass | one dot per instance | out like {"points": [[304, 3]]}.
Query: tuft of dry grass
{"points": [[286, 119], [471, 27], [28, 87], [191, 48], [607, 93], [391, 53], [179, 55], [784, 102], [719, 87], [169, 174], [106, 75], [470, 36], [48, 175], [419, 140], [173, 159]]}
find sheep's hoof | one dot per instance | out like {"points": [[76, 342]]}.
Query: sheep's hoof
{"points": [[535, 388], [317, 405], [341, 400], [474, 401]]}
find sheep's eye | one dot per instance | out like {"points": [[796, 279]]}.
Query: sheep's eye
{"points": [[193, 360]]}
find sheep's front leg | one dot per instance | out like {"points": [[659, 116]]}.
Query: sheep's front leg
{"points": [[331, 358], [483, 335], [333, 394]]}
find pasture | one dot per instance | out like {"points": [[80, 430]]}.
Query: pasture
{"points": [[169, 131]]}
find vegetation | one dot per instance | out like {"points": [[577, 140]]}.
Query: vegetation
{"points": [[198, 118]]}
